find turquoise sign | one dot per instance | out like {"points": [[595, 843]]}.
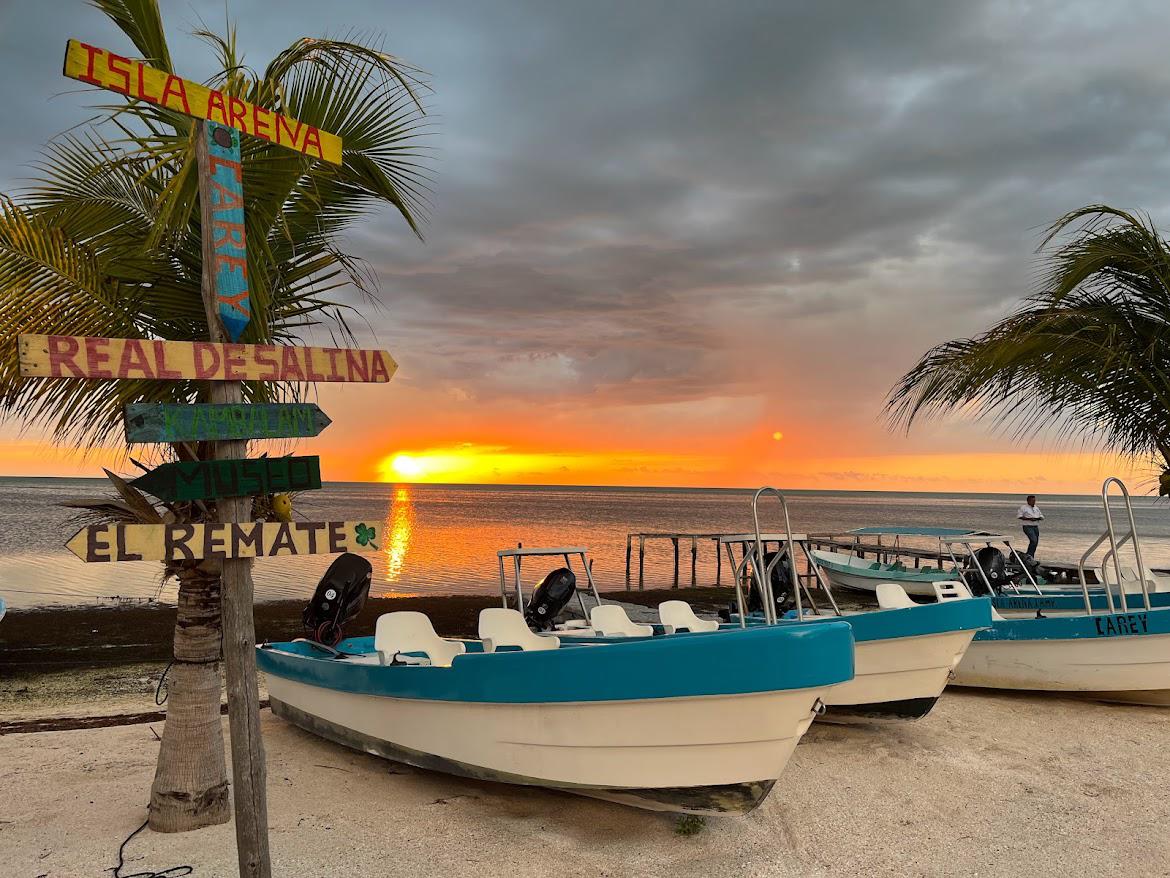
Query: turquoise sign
{"points": [[227, 228]]}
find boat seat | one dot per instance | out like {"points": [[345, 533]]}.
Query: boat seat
{"points": [[679, 616], [610, 620], [892, 596], [407, 631], [951, 591], [500, 627]]}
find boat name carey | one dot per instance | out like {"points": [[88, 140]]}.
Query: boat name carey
{"points": [[1114, 626]]}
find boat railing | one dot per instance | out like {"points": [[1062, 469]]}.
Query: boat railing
{"points": [[969, 543], [520, 552], [790, 541], [762, 570], [1113, 552]]}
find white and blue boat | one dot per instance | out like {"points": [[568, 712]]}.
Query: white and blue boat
{"points": [[988, 563], [693, 724], [852, 571], [1106, 649], [904, 655]]}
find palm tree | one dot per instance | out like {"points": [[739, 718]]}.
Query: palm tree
{"points": [[1089, 351], [106, 242]]}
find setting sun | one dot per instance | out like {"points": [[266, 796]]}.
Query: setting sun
{"points": [[406, 466]]}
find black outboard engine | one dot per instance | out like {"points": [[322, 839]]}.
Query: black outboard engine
{"points": [[549, 598], [782, 590], [339, 597], [1019, 574], [994, 565]]}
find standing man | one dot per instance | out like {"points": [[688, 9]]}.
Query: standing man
{"points": [[1031, 516]]}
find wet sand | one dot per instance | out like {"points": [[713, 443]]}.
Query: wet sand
{"points": [[986, 785]]}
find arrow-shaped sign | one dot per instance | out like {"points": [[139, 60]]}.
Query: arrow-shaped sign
{"points": [[194, 423], [75, 356], [212, 479], [106, 69], [249, 539]]}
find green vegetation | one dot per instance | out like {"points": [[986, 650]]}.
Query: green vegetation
{"points": [[1089, 353], [106, 242]]}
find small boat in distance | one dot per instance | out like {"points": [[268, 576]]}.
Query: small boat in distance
{"points": [[692, 724], [853, 571]]}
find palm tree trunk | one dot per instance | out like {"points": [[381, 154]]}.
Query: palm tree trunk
{"points": [[190, 787]]}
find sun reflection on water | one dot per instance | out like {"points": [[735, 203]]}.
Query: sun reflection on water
{"points": [[400, 526]]}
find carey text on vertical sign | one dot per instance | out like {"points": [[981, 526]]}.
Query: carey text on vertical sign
{"points": [[227, 228]]}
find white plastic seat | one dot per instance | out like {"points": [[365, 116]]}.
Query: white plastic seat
{"points": [[891, 596], [678, 616], [407, 631], [500, 627], [611, 620], [951, 591]]}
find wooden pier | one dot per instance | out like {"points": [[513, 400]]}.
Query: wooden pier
{"points": [[675, 539]]}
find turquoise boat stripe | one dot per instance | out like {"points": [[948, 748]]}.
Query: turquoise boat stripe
{"points": [[918, 621], [1076, 601], [1137, 623], [717, 663]]}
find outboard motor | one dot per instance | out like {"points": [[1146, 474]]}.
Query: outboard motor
{"points": [[550, 597], [339, 597], [994, 565], [782, 589], [1019, 575]]}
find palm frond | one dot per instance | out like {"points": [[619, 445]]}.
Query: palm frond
{"points": [[1090, 350]]}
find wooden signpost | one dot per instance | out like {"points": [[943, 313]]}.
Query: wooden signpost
{"points": [[227, 305], [213, 479], [70, 356], [193, 423], [107, 69], [234, 540]]}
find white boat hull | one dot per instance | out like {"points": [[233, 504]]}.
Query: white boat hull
{"points": [[897, 677], [1134, 670], [709, 754], [860, 582]]}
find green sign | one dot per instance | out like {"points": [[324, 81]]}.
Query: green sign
{"points": [[212, 479], [192, 423]]}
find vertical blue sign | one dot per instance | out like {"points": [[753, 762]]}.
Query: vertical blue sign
{"points": [[227, 228]]}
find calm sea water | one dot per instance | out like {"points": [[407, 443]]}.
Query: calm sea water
{"points": [[443, 539]]}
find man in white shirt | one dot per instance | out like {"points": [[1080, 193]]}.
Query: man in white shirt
{"points": [[1031, 516]]}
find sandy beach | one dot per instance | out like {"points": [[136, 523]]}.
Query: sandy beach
{"points": [[986, 785]]}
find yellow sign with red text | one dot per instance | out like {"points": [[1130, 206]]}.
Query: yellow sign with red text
{"points": [[101, 67]]}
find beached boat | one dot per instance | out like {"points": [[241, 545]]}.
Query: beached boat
{"points": [[1001, 571], [1119, 652], [863, 574], [904, 656], [691, 724]]}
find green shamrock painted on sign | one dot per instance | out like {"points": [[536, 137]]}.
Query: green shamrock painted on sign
{"points": [[365, 535]]}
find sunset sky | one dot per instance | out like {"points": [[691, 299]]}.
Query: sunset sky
{"points": [[690, 243]]}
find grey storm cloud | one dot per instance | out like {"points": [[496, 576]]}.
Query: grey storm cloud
{"points": [[626, 192]]}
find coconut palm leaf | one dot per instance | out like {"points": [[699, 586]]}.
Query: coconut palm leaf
{"points": [[106, 240], [1090, 350]]}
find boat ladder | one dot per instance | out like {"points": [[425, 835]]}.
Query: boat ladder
{"points": [[1115, 545]]}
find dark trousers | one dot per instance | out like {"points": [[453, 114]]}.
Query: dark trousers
{"points": [[1032, 532]]}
